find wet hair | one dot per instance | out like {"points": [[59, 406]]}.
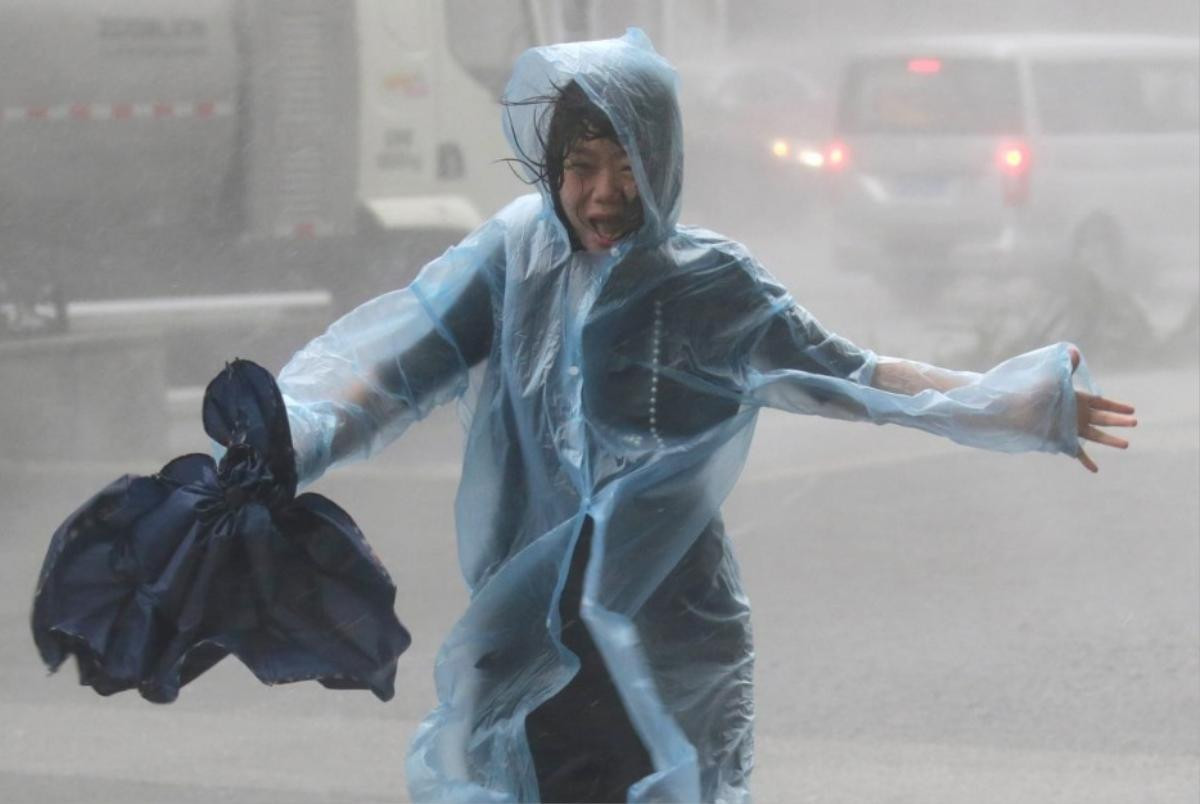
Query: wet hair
{"points": [[573, 118]]}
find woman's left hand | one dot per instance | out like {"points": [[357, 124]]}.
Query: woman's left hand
{"points": [[1093, 412]]}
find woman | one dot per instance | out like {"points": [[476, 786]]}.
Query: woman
{"points": [[606, 650]]}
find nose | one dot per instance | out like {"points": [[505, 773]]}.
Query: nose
{"points": [[608, 188]]}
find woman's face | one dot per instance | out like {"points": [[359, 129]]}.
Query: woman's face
{"points": [[599, 194]]}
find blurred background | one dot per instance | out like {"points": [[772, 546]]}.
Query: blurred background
{"points": [[955, 182]]}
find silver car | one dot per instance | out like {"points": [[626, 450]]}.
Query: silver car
{"points": [[982, 166]]}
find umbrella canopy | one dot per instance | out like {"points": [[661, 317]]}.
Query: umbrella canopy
{"points": [[156, 579]]}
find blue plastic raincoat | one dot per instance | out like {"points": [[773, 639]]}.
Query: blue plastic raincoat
{"points": [[620, 388]]}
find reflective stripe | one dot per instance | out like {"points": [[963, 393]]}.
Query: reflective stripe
{"points": [[117, 111]]}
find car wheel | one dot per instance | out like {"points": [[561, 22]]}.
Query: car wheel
{"points": [[1095, 305], [1089, 302], [1097, 256]]}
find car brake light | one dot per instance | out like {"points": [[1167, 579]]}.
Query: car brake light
{"points": [[1012, 158], [925, 66], [837, 156]]}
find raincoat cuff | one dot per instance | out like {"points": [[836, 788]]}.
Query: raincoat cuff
{"points": [[1068, 415], [865, 374]]}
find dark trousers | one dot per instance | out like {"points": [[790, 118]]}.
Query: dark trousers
{"points": [[584, 746]]}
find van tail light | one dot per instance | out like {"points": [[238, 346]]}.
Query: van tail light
{"points": [[1012, 159], [837, 156]]}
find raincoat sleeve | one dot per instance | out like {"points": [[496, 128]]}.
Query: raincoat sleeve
{"points": [[387, 363], [1026, 403]]}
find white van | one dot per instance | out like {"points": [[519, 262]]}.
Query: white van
{"points": [[979, 159]]}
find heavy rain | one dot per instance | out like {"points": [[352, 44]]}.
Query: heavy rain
{"points": [[182, 184]]}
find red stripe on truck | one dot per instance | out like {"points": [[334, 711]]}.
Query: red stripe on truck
{"points": [[87, 112]]}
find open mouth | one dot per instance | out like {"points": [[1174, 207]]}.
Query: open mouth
{"points": [[608, 229]]}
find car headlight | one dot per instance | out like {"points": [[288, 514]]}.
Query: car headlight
{"points": [[801, 152], [810, 157]]}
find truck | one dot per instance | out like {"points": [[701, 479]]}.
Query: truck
{"points": [[231, 146], [219, 149]]}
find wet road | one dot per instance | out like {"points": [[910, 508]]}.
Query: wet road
{"points": [[933, 624]]}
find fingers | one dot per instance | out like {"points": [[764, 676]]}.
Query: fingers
{"points": [[1095, 412], [1087, 462], [1074, 357], [1102, 403], [1106, 419], [1101, 437]]}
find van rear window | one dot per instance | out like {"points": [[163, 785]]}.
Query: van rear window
{"points": [[1117, 97], [928, 95]]}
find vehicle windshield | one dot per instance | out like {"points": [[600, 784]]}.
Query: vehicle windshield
{"points": [[926, 95]]}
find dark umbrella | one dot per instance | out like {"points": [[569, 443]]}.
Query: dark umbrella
{"points": [[156, 579]]}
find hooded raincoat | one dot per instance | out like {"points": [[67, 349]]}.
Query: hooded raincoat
{"points": [[619, 390]]}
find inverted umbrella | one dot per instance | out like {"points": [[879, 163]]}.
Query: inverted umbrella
{"points": [[155, 579]]}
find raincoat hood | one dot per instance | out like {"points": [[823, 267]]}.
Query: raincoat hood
{"points": [[634, 87]]}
